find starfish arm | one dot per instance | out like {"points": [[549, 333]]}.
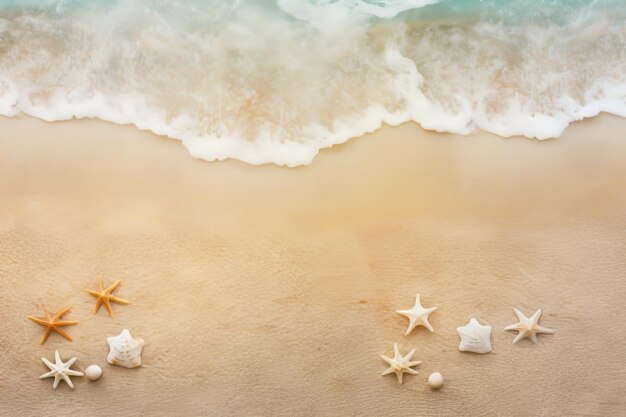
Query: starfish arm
{"points": [[98, 304], [535, 317], [118, 300], [47, 375], [106, 303], [426, 324], [62, 333], [410, 355], [414, 363], [74, 373], [541, 329], [57, 357], [57, 379], [388, 371], [519, 314], [39, 320], [396, 350], [418, 302], [399, 374], [520, 336], [94, 293], [411, 371], [388, 360], [60, 313], [69, 363], [511, 328], [67, 380], [48, 363], [45, 336], [413, 323], [113, 286], [100, 283], [65, 323]]}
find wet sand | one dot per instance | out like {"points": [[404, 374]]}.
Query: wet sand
{"points": [[267, 291]]}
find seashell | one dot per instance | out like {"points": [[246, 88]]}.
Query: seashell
{"points": [[435, 380], [475, 337], [124, 350], [93, 372]]}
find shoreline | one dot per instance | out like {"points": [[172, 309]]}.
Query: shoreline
{"points": [[262, 290]]}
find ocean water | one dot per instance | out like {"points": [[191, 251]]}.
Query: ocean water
{"points": [[275, 81]]}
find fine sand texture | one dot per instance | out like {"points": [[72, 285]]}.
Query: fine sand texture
{"points": [[267, 291]]}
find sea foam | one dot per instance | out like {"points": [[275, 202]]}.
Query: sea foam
{"points": [[276, 81]]}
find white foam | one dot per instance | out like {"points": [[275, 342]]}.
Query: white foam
{"points": [[333, 15], [388, 9], [256, 87]]}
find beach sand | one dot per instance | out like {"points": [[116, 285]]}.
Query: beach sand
{"points": [[267, 291]]}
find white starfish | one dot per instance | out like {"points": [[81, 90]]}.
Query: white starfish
{"points": [[400, 364], [474, 337], [527, 327], [60, 371], [418, 316]]}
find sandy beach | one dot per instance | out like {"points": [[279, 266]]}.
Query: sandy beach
{"points": [[268, 291]]}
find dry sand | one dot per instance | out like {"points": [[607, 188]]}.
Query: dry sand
{"points": [[265, 291]]}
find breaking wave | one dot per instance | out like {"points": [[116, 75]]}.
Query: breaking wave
{"points": [[276, 81]]}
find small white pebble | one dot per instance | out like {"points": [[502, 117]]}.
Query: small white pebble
{"points": [[435, 380], [93, 372]]}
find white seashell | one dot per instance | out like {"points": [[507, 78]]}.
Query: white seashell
{"points": [[124, 350], [93, 372], [435, 380], [474, 337]]}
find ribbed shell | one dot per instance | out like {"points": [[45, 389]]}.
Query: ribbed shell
{"points": [[125, 350]]}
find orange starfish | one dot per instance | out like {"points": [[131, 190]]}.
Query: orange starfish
{"points": [[53, 323], [104, 296]]}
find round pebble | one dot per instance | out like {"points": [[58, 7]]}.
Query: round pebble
{"points": [[93, 372], [435, 380]]}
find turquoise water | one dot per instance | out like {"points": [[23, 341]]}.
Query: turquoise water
{"points": [[509, 10], [275, 81]]}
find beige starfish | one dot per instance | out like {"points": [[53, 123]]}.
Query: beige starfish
{"points": [[527, 327], [400, 364], [60, 371], [103, 296], [53, 323], [418, 316]]}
